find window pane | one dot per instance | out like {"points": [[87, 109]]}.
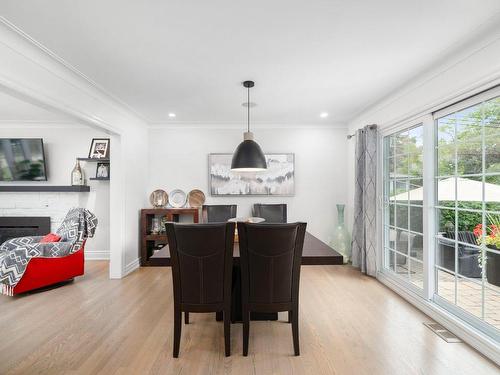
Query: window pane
{"points": [[390, 260], [445, 220], [416, 219], [467, 221], [492, 235], [401, 143], [393, 235], [470, 192], [492, 193], [446, 130], [446, 160], [390, 167], [416, 166], [445, 254], [492, 149], [492, 306], [416, 140], [404, 239], [446, 191], [469, 124], [445, 285], [416, 194], [401, 192], [470, 157], [469, 296], [417, 247], [392, 208], [417, 273], [402, 216], [401, 166]]}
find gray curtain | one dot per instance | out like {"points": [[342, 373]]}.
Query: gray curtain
{"points": [[364, 230]]}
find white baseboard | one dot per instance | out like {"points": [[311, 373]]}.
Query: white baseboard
{"points": [[467, 333], [132, 266], [97, 255]]}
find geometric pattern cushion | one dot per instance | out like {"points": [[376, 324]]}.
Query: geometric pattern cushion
{"points": [[51, 237]]}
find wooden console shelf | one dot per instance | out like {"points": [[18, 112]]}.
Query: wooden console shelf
{"points": [[152, 243]]}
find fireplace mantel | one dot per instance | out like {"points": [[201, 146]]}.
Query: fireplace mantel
{"points": [[44, 188]]}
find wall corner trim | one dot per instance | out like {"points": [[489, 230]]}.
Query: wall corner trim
{"points": [[131, 267]]}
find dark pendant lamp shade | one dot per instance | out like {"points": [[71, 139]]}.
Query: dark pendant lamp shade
{"points": [[248, 156]]}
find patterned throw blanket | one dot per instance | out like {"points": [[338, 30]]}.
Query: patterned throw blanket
{"points": [[16, 253]]}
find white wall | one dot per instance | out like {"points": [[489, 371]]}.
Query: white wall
{"points": [[178, 159], [63, 143], [470, 69], [32, 73]]}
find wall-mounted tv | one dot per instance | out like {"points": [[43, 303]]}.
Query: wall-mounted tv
{"points": [[22, 159]]}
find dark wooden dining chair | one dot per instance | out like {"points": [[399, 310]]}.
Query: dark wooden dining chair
{"points": [[270, 258], [273, 213], [202, 264], [218, 213]]}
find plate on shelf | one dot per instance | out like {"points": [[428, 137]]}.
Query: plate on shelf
{"points": [[196, 198], [177, 198], [158, 198]]}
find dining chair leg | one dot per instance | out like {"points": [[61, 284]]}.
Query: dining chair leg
{"points": [[177, 330], [227, 331], [295, 331], [186, 317], [246, 330]]}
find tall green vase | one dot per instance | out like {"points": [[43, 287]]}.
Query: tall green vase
{"points": [[341, 239]]}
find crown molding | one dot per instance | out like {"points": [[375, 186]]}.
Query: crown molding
{"points": [[484, 37], [37, 124], [242, 126], [118, 103]]}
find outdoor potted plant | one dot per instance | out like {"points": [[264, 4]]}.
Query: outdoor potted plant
{"points": [[491, 239]]}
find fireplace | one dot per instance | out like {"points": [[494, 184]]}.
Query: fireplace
{"points": [[19, 226]]}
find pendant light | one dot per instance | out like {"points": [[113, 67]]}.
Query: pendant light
{"points": [[248, 156]]}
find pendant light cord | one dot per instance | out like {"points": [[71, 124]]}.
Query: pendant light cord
{"points": [[248, 109]]}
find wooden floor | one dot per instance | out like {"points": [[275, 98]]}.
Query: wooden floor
{"points": [[349, 324]]}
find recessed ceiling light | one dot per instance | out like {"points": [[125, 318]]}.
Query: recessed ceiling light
{"points": [[323, 115], [171, 115]]}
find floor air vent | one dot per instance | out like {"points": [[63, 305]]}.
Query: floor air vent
{"points": [[442, 332]]}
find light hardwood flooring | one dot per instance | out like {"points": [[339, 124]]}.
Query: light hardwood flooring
{"points": [[349, 324]]}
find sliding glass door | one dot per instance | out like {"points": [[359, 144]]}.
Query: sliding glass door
{"points": [[441, 211], [403, 198], [467, 203]]}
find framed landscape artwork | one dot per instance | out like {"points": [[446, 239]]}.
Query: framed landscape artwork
{"points": [[278, 179]]}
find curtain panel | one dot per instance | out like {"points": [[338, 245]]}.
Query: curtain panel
{"points": [[364, 230]]}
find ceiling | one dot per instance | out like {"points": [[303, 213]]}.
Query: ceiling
{"points": [[307, 57], [14, 110]]}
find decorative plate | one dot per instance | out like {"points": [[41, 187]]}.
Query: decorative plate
{"points": [[177, 198], [196, 198], [158, 198]]}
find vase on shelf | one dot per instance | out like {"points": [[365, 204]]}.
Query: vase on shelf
{"points": [[341, 239], [77, 177]]}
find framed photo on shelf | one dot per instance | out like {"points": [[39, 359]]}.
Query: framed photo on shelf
{"points": [[99, 148], [102, 170]]}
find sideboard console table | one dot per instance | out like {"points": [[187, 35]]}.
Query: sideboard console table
{"points": [[153, 236]]}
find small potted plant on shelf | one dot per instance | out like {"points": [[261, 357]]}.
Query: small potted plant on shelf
{"points": [[491, 239]]}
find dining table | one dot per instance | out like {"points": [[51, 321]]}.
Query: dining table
{"points": [[315, 252]]}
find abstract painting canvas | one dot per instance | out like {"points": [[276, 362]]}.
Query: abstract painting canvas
{"points": [[277, 179]]}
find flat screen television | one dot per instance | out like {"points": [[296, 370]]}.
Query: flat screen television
{"points": [[22, 159]]}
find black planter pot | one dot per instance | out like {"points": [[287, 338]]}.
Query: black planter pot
{"points": [[493, 268]]}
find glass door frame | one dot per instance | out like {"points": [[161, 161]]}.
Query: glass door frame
{"points": [[427, 123], [435, 297]]}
